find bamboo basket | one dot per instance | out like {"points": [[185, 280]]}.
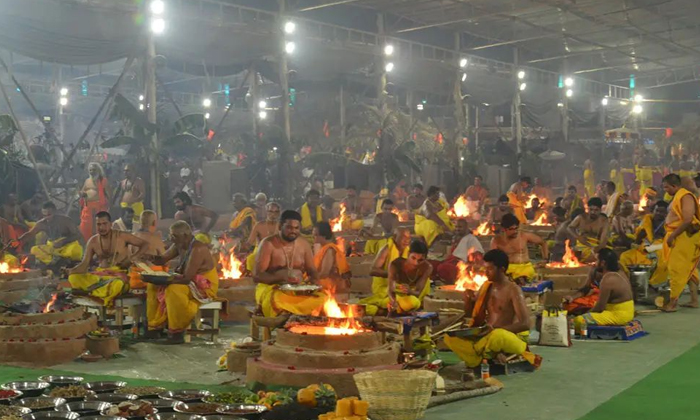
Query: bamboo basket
{"points": [[396, 394]]}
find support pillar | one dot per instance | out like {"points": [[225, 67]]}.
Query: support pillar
{"points": [[518, 126], [381, 66], [151, 100], [341, 99]]}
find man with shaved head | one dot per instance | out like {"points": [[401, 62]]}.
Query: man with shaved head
{"points": [[131, 192]]}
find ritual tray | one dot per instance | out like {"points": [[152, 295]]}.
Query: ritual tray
{"points": [[467, 332], [158, 280], [300, 289]]}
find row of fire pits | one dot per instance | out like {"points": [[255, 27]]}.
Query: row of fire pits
{"points": [[68, 398]]}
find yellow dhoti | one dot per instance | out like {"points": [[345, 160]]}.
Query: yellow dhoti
{"points": [[473, 351], [373, 246], [10, 260], [176, 304], [522, 270], [430, 229], [273, 302], [203, 238], [138, 209], [250, 261], [105, 284], [45, 253], [684, 255], [353, 224], [586, 251], [637, 256], [614, 314], [518, 207], [589, 182]]}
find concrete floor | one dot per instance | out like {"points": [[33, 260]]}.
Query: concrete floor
{"points": [[570, 383]]}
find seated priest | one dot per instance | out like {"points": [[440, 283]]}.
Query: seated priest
{"points": [[590, 230], [496, 213], [311, 213], [397, 246], [650, 233], [330, 262], [270, 226], [353, 209], [466, 248], [382, 228], [409, 280], [615, 305], [63, 239], [499, 310], [514, 243], [623, 226], [196, 282], [111, 250], [572, 201], [148, 231], [432, 220], [244, 219], [286, 258], [7, 236]]}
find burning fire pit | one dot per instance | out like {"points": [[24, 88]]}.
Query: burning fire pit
{"points": [[327, 349], [43, 333], [452, 296], [17, 284], [237, 289], [567, 276]]}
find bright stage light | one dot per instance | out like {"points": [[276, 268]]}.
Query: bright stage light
{"points": [[388, 49], [389, 67], [289, 47], [569, 93], [157, 26], [464, 77], [637, 109], [64, 91], [262, 115], [141, 98], [605, 102], [290, 27], [639, 98], [463, 63], [157, 7], [262, 104], [206, 103], [63, 101], [521, 74], [206, 116], [523, 86], [568, 82]]}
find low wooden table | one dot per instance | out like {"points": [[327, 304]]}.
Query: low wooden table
{"points": [[129, 301]]}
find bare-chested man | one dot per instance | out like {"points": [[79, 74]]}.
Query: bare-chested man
{"points": [[497, 212], [478, 195], [409, 280], [111, 250], [131, 192], [149, 233], [31, 209], [244, 219], [415, 200], [200, 218], [63, 245], [382, 228], [94, 198], [518, 197], [514, 243], [623, 225], [262, 230], [615, 304], [432, 220], [175, 305], [591, 230], [353, 209], [11, 210], [500, 312], [286, 258], [563, 233]]}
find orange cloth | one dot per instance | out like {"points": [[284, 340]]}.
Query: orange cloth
{"points": [[479, 310], [91, 208], [341, 264], [584, 303], [135, 280]]}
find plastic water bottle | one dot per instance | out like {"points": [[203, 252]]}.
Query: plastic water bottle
{"points": [[572, 329], [584, 330], [485, 372]]}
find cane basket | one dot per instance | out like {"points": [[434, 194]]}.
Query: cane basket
{"points": [[396, 394]]}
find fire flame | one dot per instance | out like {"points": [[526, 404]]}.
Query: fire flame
{"points": [[484, 229], [541, 221], [467, 279], [6, 269], [49, 305], [403, 216], [528, 205], [340, 322], [569, 259], [341, 243], [337, 223], [460, 208], [643, 202], [231, 266]]}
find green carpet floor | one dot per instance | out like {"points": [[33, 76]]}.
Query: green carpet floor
{"points": [[668, 392]]}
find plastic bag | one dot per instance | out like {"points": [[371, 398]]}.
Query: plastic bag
{"points": [[555, 328]]}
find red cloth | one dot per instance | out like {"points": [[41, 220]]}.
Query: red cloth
{"points": [[583, 304], [447, 270], [91, 208]]}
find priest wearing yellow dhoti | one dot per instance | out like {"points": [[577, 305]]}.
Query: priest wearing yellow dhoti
{"points": [[244, 219], [311, 213], [614, 200], [63, 245], [616, 177], [270, 226], [650, 233], [286, 258], [196, 282], [682, 242], [397, 246], [500, 311], [353, 210], [432, 219], [590, 230], [131, 192], [111, 250], [589, 178], [615, 305], [332, 266], [383, 227], [409, 280], [515, 244], [517, 198]]}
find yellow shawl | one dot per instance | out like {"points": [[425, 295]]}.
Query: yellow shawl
{"points": [[616, 177], [677, 208], [306, 222], [479, 310], [341, 263], [242, 215]]}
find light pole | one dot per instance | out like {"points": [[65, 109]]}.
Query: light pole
{"points": [[156, 27]]}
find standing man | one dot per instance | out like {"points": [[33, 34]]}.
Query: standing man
{"points": [[500, 312], [614, 200], [286, 258], [514, 243], [466, 248], [111, 250], [517, 197], [244, 219], [396, 247], [650, 232], [131, 192], [200, 218], [589, 178], [681, 244], [196, 282], [590, 230], [311, 212], [432, 220], [478, 195], [63, 245], [616, 177], [94, 198]]}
